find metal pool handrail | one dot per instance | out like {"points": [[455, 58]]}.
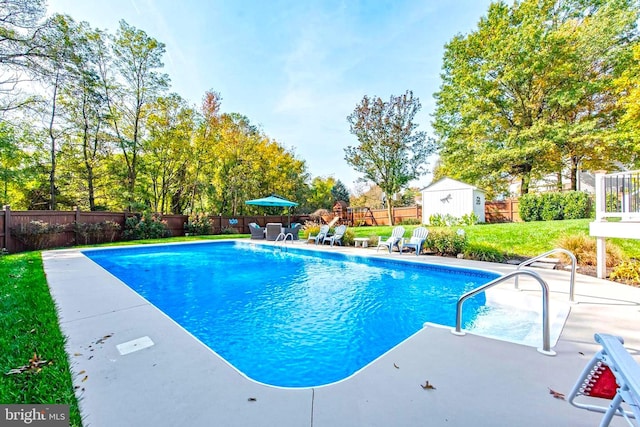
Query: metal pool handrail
{"points": [[546, 339], [572, 280]]}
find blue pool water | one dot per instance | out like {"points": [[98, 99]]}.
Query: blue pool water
{"points": [[293, 318]]}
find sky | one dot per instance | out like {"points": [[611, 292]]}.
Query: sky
{"points": [[297, 68]]}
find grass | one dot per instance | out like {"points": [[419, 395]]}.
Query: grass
{"points": [[518, 239], [29, 326]]}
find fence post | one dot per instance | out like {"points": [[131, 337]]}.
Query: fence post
{"points": [[7, 219]]}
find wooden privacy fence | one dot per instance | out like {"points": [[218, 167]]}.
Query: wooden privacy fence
{"points": [[502, 211], [69, 233]]}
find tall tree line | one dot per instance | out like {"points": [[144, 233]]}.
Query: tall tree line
{"points": [[87, 119], [539, 89]]}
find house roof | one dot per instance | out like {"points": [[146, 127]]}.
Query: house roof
{"points": [[449, 184]]}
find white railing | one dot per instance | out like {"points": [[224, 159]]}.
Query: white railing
{"points": [[546, 337], [618, 195]]}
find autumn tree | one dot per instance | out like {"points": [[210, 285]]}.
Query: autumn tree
{"points": [[391, 152], [529, 92]]}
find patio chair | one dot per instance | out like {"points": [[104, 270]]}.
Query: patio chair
{"points": [[394, 240], [273, 230], [337, 235], [294, 230], [611, 374], [257, 232], [324, 230], [416, 241]]}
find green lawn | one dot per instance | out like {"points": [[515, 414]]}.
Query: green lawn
{"points": [[522, 239], [29, 326]]}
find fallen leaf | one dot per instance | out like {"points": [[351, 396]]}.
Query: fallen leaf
{"points": [[556, 394], [427, 386], [85, 378], [581, 353], [252, 399], [101, 340], [81, 372], [77, 354], [396, 366]]}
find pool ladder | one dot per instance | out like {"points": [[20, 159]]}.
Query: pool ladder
{"points": [[284, 238], [546, 339], [572, 280]]}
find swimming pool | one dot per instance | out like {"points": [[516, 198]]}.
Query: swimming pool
{"points": [[293, 318]]}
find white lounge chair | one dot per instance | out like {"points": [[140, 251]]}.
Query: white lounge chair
{"points": [[416, 241], [337, 235], [611, 374], [394, 240], [324, 230]]}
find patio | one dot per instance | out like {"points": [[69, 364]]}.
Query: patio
{"points": [[178, 381]]}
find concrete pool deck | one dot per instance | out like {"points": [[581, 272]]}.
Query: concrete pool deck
{"points": [[178, 381]]}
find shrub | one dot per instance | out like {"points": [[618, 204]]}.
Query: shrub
{"points": [[555, 206], [469, 219], [627, 272], [347, 239], [439, 220], [198, 224], [552, 206], [36, 235], [483, 252], [311, 228], [410, 221], [446, 241], [146, 226], [529, 207], [584, 249], [229, 230], [577, 204], [89, 233]]}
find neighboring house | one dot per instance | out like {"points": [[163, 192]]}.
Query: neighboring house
{"points": [[586, 182], [448, 196]]}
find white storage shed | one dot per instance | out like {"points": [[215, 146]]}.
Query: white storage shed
{"points": [[448, 196]]}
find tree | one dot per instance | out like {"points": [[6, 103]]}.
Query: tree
{"points": [[168, 151], [136, 57], [340, 192], [628, 88], [321, 193], [528, 93], [391, 152], [20, 24]]}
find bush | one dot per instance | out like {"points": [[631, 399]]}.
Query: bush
{"points": [[483, 252], [311, 228], [99, 232], [529, 207], [584, 249], [552, 206], [627, 272], [146, 226], [577, 204], [198, 224], [410, 221], [347, 239], [439, 220], [36, 234], [555, 206], [446, 241], [469, 219]]}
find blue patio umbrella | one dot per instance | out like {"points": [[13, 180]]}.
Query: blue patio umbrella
{"points": [[273, 200]]}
